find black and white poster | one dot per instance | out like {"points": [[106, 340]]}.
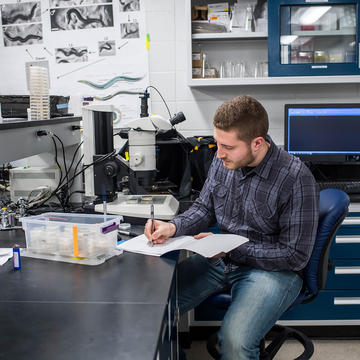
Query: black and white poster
{"points": [[129, 5], [21, 24], [81, 17], [130, 30], [20, 13], [107, 48], [71, 55], [67, 3], [94, 49]]}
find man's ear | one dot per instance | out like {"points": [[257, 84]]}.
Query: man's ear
{"points": [[257, 143]]}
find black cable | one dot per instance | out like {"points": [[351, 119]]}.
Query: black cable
{"points": [[57, 162], [64, 158], [76, 167], [104, 157], [60, 185], [153, 87], [67, 170], [76, 192], [73, 159]]}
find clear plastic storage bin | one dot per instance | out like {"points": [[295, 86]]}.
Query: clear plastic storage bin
{"points": [[78, 238]]}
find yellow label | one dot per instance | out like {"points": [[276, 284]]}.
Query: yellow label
{"points": [[75, 241]]}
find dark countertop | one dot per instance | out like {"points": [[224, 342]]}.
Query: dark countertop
{"points": [[79, 331], [61, 311], [8, 238], [23, 123]]}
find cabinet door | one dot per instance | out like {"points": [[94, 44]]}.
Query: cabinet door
{"points": [[313, 38]]}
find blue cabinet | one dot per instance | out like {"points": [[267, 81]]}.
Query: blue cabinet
{"points": [[313, 38], [339, 302]]}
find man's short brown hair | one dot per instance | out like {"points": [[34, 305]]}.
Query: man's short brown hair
{"points": [[244, 114]]}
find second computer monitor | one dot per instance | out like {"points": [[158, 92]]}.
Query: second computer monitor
{"points": [[323, 133]]}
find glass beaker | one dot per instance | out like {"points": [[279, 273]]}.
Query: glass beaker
{"points": [[238, 69], [261, 69]]}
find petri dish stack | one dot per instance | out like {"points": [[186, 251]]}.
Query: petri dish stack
{"points": [[39, 93]]}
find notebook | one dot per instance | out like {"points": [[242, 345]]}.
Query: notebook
{"points": [[208, 246]]}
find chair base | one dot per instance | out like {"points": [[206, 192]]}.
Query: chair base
{"points": [[282, 333]]}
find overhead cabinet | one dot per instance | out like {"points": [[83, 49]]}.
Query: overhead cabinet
{"points": [[308, 38], [287, 42]]}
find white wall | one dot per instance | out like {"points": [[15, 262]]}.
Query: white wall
{"points": [[166, 25]]}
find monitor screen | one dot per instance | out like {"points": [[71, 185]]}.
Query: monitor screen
{"points": [[323, 132]]}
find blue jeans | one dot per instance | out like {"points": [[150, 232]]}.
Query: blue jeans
{"points": [[259, 298]]}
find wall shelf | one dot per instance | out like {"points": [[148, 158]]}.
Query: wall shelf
{"points": [[230, 35], [274, 80]]}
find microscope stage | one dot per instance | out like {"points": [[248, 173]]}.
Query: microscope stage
{"points": [[165, 206]]}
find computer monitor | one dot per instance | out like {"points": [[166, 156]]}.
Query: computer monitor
{"points": [[323, 133]]}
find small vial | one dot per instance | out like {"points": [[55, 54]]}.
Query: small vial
{"points": [[16, 257]]}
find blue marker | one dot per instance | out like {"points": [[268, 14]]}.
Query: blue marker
{"points": [[16, 257]]}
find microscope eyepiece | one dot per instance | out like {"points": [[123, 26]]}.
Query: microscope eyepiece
{"points": [[177, 118]]}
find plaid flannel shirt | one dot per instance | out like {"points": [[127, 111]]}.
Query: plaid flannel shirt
{"points": [[274, 205]]}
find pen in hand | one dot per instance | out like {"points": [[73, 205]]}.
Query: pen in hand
{"points": [[152, 222]]}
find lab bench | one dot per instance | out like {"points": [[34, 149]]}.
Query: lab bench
{"points": [[125, 308]]}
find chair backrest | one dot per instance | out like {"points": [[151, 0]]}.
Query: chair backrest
{"points": [[333, 207]]}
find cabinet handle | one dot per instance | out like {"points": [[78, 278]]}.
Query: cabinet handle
{"points": [[351, 221], [347, 301], [347, 240], [342, 270]]}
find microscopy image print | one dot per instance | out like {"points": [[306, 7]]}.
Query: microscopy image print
{"points": [[15, 35], [107, 48], [20, 13], [129, 5], [85, 17], [71, 55], [64, 3], [130, 30]]}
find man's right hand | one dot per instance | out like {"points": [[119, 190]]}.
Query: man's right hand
{"points": [[163, 231]]}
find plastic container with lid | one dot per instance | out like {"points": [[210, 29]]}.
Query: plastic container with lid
{"points": [[77, 238]]}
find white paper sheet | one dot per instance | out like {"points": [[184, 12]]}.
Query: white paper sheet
{"points": [[208, 246], [5, 255]]}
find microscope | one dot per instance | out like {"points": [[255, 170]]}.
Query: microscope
{"points": [[127, 184]]}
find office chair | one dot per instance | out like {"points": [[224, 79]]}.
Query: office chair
{"points": [[333, 207]]}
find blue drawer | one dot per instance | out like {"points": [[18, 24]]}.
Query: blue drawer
{"points": [[345, 274], [329, 305], [346, 244]]}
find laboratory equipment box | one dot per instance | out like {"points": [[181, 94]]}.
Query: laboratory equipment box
{"points": [[77, 238], [313, 38]]}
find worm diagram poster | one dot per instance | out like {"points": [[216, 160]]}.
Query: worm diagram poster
{"points": [[95, 50]]}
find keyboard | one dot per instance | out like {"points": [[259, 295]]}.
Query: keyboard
{"points": [[350, 187]]}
